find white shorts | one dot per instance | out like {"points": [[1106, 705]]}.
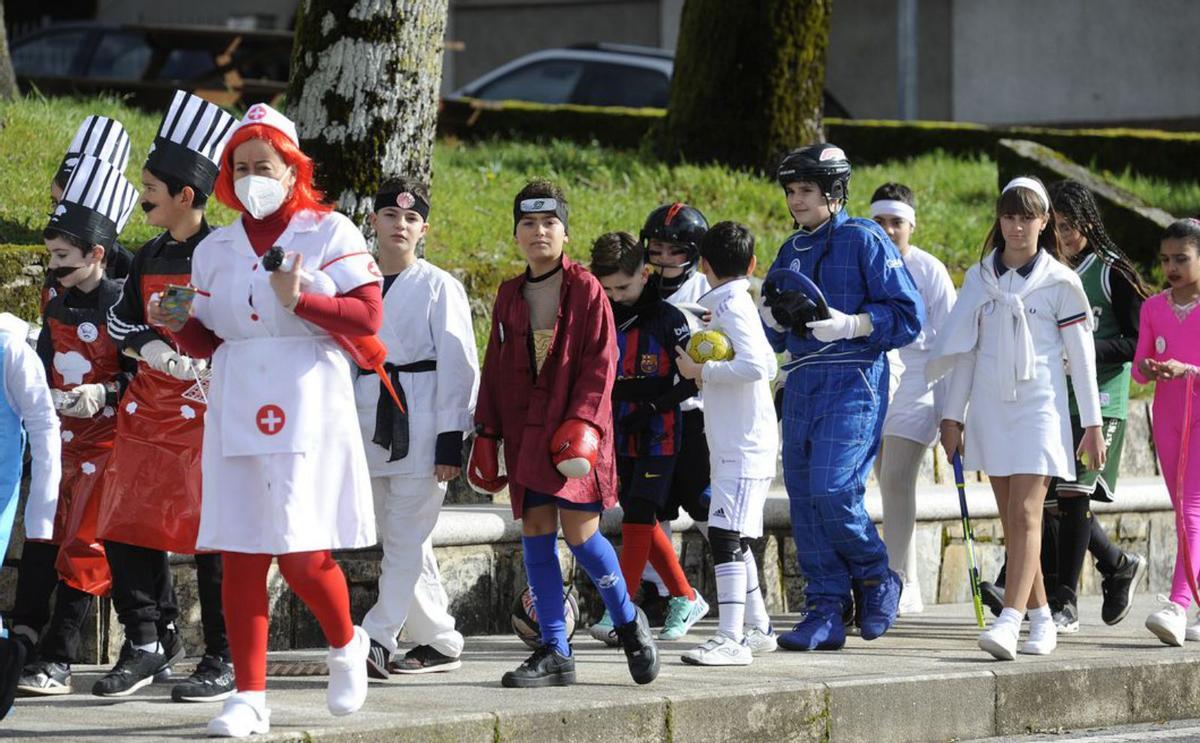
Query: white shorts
{"points": [[737, 504]]}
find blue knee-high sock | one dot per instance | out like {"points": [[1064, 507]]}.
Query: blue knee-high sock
{"points": [[599, 561], [546, 584]]}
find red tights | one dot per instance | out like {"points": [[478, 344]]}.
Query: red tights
{"points": [[313, 576]]}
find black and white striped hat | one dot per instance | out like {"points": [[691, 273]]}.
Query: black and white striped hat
{"points": [[100, 137], [96, 203], [190, 141]]}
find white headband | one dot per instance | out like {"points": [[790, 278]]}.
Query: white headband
{"points": [[894, 208], [1032, 185]]}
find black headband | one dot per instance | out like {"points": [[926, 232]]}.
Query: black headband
{"points": [[539, 205], [177, 161], [402, 200]]}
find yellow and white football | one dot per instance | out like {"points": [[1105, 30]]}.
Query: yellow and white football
{"points": [[709, 345]]}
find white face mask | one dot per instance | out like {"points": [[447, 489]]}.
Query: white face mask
{"points": [[260, 195]]}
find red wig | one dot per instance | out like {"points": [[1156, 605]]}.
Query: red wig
{"points": [[304, 194]]}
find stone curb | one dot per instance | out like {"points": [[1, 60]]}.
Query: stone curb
{"points": [[1010, 700]]}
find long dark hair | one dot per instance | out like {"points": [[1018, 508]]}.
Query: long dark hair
{"points": [[1027, 203], [1076, 204]]}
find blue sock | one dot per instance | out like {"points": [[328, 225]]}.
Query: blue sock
{"points": [[546, 585], [599, 561]]}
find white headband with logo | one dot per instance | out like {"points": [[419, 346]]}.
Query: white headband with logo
{"points": [[1032, 185], [893, 208]]}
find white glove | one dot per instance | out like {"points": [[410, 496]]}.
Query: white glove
{"points": [[768, 317], [841, 327], [163, 358], [89, 400], [318, 282]]}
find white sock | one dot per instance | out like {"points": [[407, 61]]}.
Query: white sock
{"points": [[256, 699], [1009, 616], [150, 647], [756, 608], [1040, 614], [731, 595]]}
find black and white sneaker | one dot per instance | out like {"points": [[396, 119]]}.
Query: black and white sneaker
{"points": [[1066, 617], [544, 668], [1119, 587], [425, 659], [640, 651], [45, 678], [377, 661], [212, 681], [134, 669]]}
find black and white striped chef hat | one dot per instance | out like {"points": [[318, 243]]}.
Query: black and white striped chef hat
{"points": [[96, 203], [100, 137], [190, 141]]}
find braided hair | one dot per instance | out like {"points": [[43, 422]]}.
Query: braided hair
{"points": [[1078, 207]]}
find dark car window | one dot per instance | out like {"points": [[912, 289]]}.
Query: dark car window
{"points": [[606, 84], [52, 55], [186, 64], [120, 56], [549, 81]]}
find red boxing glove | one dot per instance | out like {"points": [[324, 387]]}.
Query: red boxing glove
{"points": [[483, 471], [575, 447]]}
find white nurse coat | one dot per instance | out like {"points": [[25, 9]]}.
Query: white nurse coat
{"points": [[283, 463], [915, 407]]}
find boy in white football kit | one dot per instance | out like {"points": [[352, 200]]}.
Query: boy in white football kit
{"points": [[413, 453], [743, 444]]}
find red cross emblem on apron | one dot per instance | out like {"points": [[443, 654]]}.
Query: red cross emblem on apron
{"points": [[270, 419]]}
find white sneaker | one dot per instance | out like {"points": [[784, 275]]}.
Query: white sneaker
{"points": [[1000, 640], [910, 601], [1192, 633], [1169, 623], [239, 718], [347, 689], [1042, 638], [721, 650], [761, 642]]}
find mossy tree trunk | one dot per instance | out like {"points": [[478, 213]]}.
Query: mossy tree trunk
{"points": [[8, 80], [364, 92], [748, 80]]}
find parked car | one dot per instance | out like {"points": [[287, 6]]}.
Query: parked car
{"points": [[589, 75], [231, 67]]}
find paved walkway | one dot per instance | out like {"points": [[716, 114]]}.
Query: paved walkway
{"points": [[924, 681]]}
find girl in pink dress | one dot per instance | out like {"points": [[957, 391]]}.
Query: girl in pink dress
{"points": [[1168, 352]]}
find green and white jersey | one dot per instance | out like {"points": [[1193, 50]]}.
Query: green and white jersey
{"points": [[1112, 378]]}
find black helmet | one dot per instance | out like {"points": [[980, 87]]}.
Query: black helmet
{"points": [[823, 164], [675, 223]]}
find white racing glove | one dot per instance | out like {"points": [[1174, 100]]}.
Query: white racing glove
{"points": [[88, 400], [841, 327], [163, 358], [768, 317]]}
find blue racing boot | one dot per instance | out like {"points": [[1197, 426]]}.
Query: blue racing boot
{"points": [[880, 601], [821, 629]]}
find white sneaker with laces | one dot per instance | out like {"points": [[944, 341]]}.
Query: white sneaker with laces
{"points": [[1042, 638], [1169, 623], [347, 689], [761, 642], [1001, 640], [721, 650], [240, 718]]}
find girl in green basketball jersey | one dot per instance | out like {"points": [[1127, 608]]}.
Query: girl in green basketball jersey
{"points": [[1115, 291]]}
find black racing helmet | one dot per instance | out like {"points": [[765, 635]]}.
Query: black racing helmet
{"points": [[676, 223], [823, 164]]}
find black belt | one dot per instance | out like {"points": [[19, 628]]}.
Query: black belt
{"points": [[391, 423]]}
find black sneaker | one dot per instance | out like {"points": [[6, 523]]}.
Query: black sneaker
{"points": [[173, 651], [640, 652], [1066, 617], [134, 669], [993, 597], [377, 661], [425, 659], [45, 679], [654, 604], [212, 681], [544, 668], [1119, 587]]}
